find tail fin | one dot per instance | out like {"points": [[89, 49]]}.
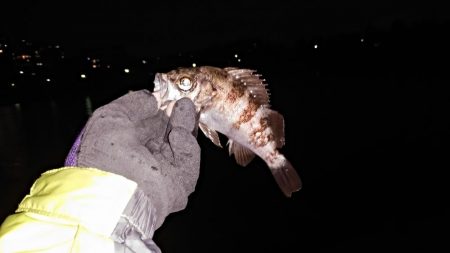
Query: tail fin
{"points": [[287, 178]]}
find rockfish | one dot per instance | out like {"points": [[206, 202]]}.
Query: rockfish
{"points": [[235, 103]]}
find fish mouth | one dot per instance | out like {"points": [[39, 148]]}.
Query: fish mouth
{"points": [[160, 89], [160, 82]]}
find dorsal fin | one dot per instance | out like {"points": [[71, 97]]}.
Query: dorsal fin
{"points": [[252, 82]]}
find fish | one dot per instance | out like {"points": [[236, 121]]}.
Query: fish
{"points": [[234, 102]]}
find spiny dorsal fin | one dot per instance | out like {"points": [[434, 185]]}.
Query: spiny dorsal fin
{"points": [[253, 83], [211, 134], [276, 122], [242, 154]]}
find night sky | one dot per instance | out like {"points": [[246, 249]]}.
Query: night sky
{"points": [[361, 86], [152, 28]]}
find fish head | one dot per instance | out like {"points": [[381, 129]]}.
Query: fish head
{"points": [[196, 84]]}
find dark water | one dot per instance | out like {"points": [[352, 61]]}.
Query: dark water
{"points": [[372, 154], [35, 136]]}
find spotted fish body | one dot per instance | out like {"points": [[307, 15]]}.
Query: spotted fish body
{"points": [[234, 102]]}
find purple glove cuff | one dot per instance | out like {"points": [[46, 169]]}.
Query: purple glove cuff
{"points": [[72, 157]]}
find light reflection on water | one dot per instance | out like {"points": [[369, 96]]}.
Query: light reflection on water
{"points": [[88, 106]]}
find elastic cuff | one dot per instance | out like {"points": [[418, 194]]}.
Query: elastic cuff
{"points": [[139, 216]]}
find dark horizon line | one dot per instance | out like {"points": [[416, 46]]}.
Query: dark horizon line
{"points": [[398, 25]]}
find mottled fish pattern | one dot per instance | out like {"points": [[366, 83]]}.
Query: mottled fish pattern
{"points": [[234, 102]]}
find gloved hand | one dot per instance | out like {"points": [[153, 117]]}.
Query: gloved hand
{"points": [[133, 138]]}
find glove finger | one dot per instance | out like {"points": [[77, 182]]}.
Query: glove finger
{"points": [[184, 115], [155, 129], [152, 129], [138, 105], [186, 157]]}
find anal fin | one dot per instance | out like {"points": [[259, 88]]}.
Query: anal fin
{"points": [[242, 154]]}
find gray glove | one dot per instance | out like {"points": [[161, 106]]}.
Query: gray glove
{"points": [[132, 137]]}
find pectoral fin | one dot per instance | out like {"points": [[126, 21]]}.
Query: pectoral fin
{"points": [[242, 154], [211, 134]]}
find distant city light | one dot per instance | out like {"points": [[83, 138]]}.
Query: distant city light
{"points": [[28, 63], [24, 57]]}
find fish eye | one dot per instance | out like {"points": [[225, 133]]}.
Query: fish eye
{"points": [[185, 84]]}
